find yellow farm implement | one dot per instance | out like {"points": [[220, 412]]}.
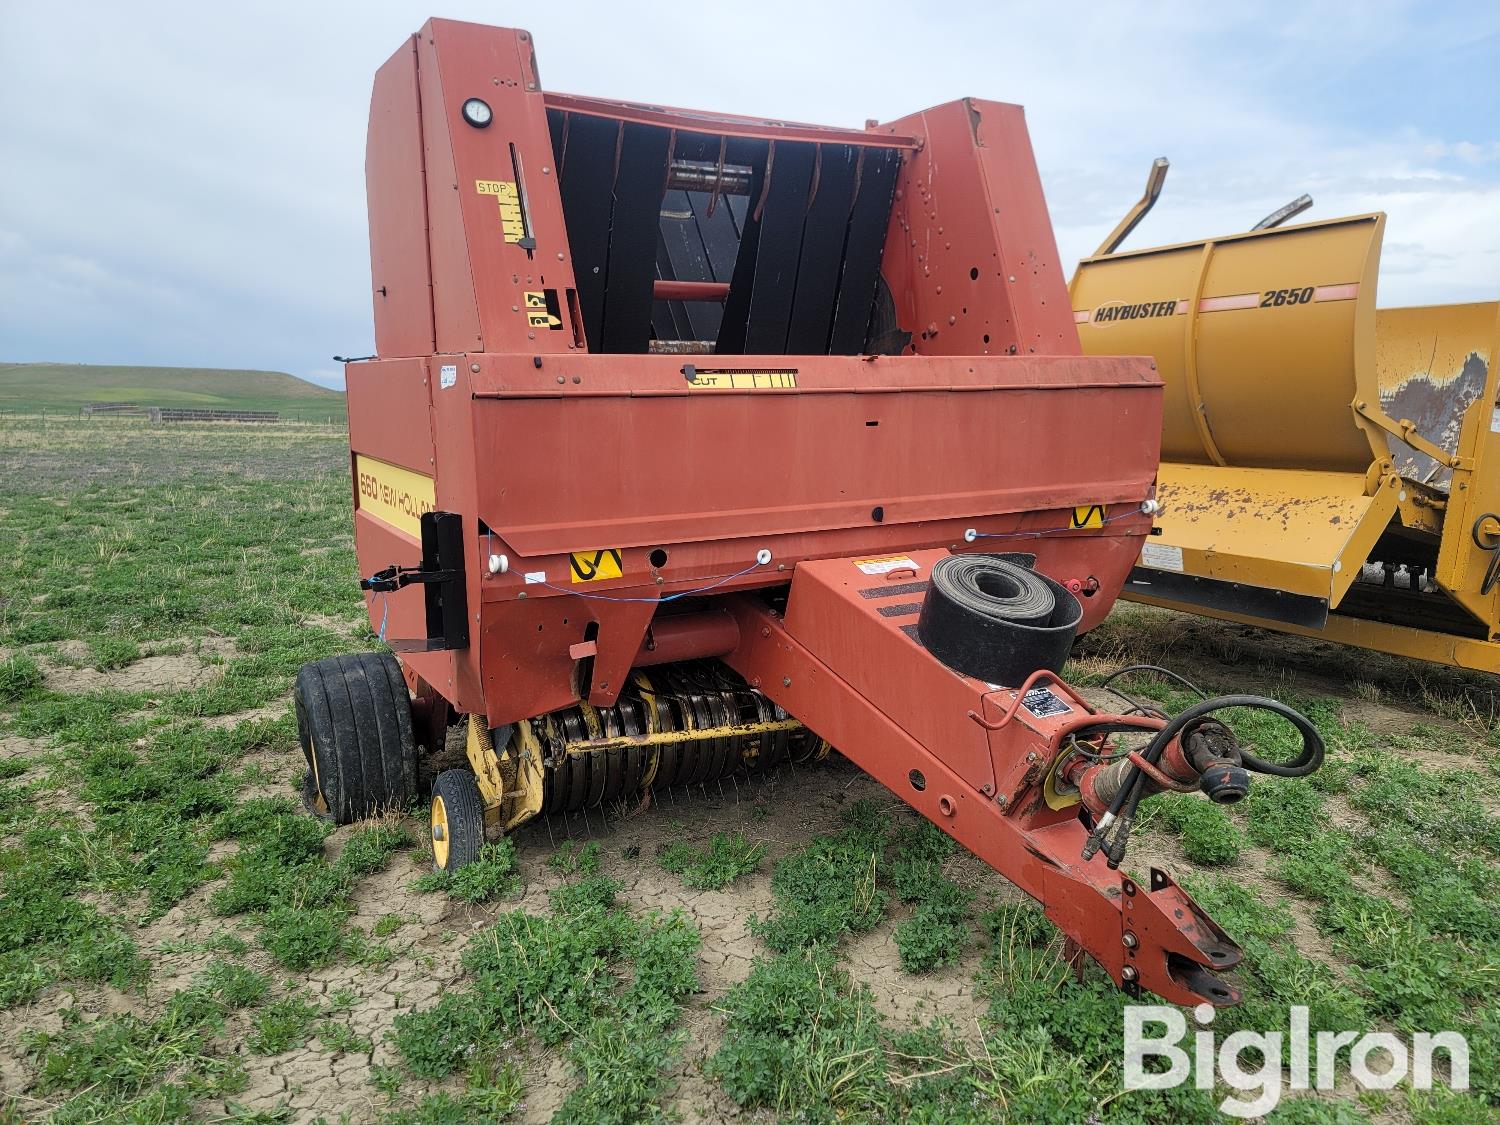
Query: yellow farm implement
{"points": [[1328, 469]]}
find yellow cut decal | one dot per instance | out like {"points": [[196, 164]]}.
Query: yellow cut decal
{"points": [[395, 496], [1091, 515], [743, 380], [542, 310], [594, 566], [509, 199]]}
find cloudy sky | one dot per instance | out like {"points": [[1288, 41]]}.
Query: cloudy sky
{"points": [[183, 183]]}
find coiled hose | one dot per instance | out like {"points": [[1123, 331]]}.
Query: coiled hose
{"points": [[1122, 809], [992, 618], [995, 589]]}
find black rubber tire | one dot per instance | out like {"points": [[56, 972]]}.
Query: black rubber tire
{"points": [[354, 724], [464, 809], [990, 617]]}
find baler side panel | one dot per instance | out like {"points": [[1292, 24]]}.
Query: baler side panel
{"points": [[455, 311], [396, 192], [458, 466], [970, 257], [483, 268], [393, 463], [635, 458]]}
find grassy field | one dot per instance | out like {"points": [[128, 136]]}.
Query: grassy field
{"points": [[64, 387], [178, 940]]}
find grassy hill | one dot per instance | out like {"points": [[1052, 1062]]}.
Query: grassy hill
{"points": [[64, 387]]}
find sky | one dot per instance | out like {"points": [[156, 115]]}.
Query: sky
{"points": [[183, 184]]}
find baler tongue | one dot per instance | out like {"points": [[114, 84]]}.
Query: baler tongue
{"points": [[1196, 948], [1321, 460]]}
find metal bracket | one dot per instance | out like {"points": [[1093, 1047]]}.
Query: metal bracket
{"points": [[393, 578], [1406, 430], [441, 574]]}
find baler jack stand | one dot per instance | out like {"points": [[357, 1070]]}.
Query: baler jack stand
{"points": [[845, 659]]}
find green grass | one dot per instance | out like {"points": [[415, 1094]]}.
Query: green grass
{"points": [[728, 856], [129, 1068], [490, 876], [33, 387], [591, 975], [149, 836], [830, 888]]}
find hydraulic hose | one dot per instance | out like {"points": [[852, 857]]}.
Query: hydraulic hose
{"points": [[1128, 796]]}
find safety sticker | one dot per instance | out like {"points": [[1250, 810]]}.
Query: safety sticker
{"points": [[700, 380], [543, 310], [594, 566], [509, 200], [536, 577], [1091, 515], [1043, 703], [1495, 420], [1162, 556], [886, 565], [447, 375]]}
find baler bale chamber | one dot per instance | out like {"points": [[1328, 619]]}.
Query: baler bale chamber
{"points": [[1328, 468], [694, 441]]}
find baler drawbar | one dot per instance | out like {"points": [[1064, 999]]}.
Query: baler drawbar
{"points": [[712, 442]]}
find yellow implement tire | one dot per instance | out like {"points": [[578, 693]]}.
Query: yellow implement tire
{"points": [[457, 820]]}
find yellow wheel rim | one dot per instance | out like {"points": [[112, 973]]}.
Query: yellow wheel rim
{"points": [[440, 835]]}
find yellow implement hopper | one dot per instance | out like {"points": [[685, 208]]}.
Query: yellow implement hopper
{"points": [[1328, 468]]}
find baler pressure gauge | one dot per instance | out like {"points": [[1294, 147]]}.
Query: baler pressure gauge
{"points": [[477, 113]]}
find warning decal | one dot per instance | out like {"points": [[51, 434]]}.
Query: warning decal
{"points": [[509, 199], [886, 565], [542, 309], [702, 380], [1042, 703], [1091, 515], [594, 566], [1162, 556]]}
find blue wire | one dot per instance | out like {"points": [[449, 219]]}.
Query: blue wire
{"points": [[668, 598], [1042, 532], [385, 612]]}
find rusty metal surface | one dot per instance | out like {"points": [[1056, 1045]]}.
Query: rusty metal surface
{"points": [[970, 257], [1302, 532], [1432, 364]]}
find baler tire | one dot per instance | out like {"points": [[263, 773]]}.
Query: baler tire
{"points": [[354, 724], [457, 811]]}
